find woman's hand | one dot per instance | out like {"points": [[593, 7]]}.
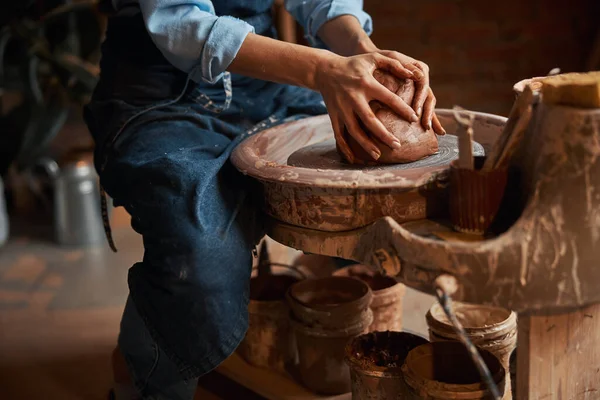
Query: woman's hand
{"points": [[346, 83], [424, 100], [348, 86]]}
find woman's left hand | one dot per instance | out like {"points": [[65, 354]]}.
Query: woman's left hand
{"points": [[424, 99]]}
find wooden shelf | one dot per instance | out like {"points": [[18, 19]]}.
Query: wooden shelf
{"points": [[269, 384]]}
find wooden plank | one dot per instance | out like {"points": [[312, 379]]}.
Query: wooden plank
{"points": [[558, 356], [269, 384]]}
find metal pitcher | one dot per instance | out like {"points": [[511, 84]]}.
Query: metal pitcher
{"points": [[77, 216]]}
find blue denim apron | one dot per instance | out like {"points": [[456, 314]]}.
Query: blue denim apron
{"points": [[162, 150]]}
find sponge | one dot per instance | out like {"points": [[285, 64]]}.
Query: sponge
{"points": [[574, 89]]}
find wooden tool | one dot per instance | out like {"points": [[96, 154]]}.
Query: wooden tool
{"points": [[513, 131], [465, 138]]}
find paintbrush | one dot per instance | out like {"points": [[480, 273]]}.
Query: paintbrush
{"points": [[465, 138]]}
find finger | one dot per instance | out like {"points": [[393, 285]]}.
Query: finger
{"points": [[408, 63], [361, 137], [393, 101], [375, 126], [428, 109], [421, 91], [395, 67], [417, 72], [338, 133], [437, 125]]}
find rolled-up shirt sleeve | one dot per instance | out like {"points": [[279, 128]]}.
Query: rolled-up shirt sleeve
{"points": [[312, 14], [192, 37]]}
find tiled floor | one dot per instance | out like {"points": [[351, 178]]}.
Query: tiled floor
{"points": [[60, 309]]}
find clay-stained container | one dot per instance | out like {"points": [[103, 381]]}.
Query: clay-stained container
{"points": [[326, 314], [321, 353], [445, 371], [490, 328], [388, 295], [475, 196], [269, 341], [329, 303], [375, 361]]}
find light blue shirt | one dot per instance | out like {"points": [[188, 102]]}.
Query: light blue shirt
{"points": [[196, 41]]}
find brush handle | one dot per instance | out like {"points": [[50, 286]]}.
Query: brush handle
{"points": [[465, 149]]}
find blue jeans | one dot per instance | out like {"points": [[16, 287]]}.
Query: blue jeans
{"points": [[162, 152]]}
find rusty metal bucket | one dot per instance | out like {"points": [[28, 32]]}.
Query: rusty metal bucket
{"points": [[326, 314], [490, 328], [388, 295], [445, 371], [269, 341], [375, 360], [330, 303]]}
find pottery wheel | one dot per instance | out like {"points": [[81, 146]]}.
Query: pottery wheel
{"points": [[305, 182], [324, 155], [303, 153]]}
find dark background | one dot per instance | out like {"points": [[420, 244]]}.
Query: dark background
{"points": [[478, 49]]}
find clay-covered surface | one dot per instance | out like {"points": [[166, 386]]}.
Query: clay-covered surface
{"points": [[547, 260], [323, 155], [307, 184], [265, 155]]}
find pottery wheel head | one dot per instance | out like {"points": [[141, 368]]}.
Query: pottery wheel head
{"points": [[302, 154], [324, 156]]}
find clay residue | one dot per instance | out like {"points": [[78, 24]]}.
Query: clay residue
{"points": [[323, 155], [383, 349], [474, 316], [481, 317]]}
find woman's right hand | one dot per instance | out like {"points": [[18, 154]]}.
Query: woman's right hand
{"points": [[348, 86]]}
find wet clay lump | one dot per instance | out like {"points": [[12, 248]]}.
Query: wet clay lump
{"points": [[417, 143]]}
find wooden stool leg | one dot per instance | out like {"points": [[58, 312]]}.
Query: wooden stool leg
{"points": [[558, 356]]}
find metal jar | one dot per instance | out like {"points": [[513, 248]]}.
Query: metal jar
{"points": [[489, 328], [269, 342], [388, 295], [326, 314], [375, 360], [77, 215], [445, 371]]}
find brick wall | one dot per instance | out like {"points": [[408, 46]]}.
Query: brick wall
{"points": [[477, 49]]}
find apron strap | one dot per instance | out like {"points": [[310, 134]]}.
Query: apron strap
{"points": [[106, 220]]}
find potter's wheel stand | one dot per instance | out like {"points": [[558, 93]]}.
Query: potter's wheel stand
{"points": [[544, 267]]}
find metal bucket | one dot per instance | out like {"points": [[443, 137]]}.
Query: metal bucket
{"points": [[330, 303], [445, 371], [321, 354], [269, 341], [490, 328], [388, 295], [375, 360], [326, 314]]}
